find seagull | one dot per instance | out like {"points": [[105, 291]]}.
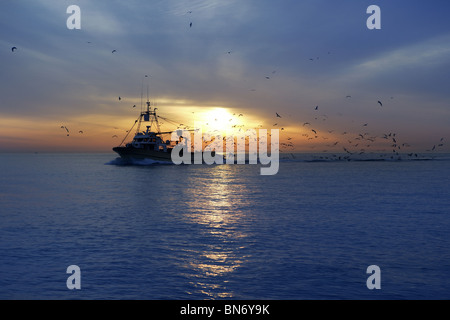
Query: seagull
{"points": [[314, 131], [348, 96], [114, 136], [190, 25], [114, 51], [278, 116], [316, 108], [64, 127], [380, 103], [267, 78], [13, 48], [134, 106], [80, 131]]}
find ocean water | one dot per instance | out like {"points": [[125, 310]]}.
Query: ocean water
{"points": [[153, 231]]}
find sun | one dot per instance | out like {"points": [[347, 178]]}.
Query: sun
{"points": [[218, 119]]}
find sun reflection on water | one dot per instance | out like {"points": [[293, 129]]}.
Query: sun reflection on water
{"points": [[218, 214]]}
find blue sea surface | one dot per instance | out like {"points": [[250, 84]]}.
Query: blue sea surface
{"points": [[154, 231]]}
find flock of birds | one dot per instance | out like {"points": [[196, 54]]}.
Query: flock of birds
{"points": [[351, 144], [68, 132], [340, 145], [356, 145], [345, 146]]}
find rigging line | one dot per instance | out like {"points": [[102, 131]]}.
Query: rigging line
{"points": [[128, 133], [142, 92], [168, 120]]}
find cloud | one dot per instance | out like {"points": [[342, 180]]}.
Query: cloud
{"points": [[63, 74]]}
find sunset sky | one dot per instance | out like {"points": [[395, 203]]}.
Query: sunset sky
{"points": [[250, 57]]}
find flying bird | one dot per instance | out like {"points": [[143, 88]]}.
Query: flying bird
{"points": [[190, 25], [316, 108], [64, 127], [278, 116], [120, 98], [80, 131], [379, 102], [114, 51], [13, 49]]}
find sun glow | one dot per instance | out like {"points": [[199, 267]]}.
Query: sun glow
{"points": [[219, 119]]}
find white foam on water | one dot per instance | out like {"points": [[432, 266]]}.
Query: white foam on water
{"points": [[137, 162]]}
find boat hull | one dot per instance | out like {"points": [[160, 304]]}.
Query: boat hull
{"points": [[140, 154], [135, 153]]}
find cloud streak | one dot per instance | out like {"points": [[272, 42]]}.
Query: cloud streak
{"points": [[255, 56]]}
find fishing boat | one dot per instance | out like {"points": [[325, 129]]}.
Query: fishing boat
{"points": [[149, 143]]}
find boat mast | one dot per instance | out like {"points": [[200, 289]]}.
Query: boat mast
{"points": [[149, 116]]}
